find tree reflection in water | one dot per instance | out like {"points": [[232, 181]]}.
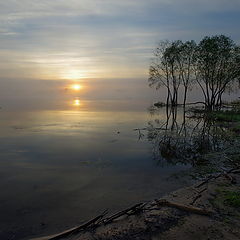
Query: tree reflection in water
{"points": [[182, 138]]}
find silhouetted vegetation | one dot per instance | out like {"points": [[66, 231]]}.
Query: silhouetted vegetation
{"points": [[213, 64], [180, 139]]}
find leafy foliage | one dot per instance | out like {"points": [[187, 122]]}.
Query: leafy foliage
{"points": [[214, 64]]}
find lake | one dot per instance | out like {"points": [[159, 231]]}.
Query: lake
{"points": [[67, 158]]}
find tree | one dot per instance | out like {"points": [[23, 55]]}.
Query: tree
{"points": [[187, 56], [214, 64], [164, 70], [158, 71], [217, 67], [171, 67]]}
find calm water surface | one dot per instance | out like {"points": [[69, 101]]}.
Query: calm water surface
{"points": [[68, 161]]}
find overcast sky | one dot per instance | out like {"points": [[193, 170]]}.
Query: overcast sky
{"points": [[82, 39]]}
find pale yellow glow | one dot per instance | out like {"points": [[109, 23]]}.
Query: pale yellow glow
{"points": [[63, 65], [73, 74], [76, 102], [76, 87]]}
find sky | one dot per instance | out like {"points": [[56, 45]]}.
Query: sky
{"points": [[101, 39]]}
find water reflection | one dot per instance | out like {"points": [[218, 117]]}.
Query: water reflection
{"points": [[181, 138], [76, 102], [63, 166]]}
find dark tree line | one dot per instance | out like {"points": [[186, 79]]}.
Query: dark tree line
{"points": [[213, 64]]}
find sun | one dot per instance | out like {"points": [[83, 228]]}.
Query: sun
{"points": [[76, 87]]}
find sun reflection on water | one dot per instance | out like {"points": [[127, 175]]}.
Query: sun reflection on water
{"points": [[76, 102]]}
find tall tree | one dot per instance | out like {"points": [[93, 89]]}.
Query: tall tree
{"points": [[158, 71], [217, 67], [165, 70], [187, 58]]}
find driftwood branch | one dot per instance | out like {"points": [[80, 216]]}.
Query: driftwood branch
{"points": [[224, 173], [232, 161], [195, 199], [231, 178], [207, 180], [198, 196], [127, 211], [92, 222], [183, 207]]}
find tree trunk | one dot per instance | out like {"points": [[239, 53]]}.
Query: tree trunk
{"points": [[185, 96]]}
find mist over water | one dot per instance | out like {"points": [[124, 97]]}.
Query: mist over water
{"points": [[46, 95], [97, 94], [65, 156]]}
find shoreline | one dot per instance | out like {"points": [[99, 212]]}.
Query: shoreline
{"points": [[187, 213]]}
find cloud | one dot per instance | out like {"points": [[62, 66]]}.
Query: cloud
{"points": [[104, 38]]}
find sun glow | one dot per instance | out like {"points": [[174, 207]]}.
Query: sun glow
{"points": [[74, 74], [76, 87]]}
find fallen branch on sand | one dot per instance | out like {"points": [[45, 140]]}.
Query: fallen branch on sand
{"points": [[91, 223], [224, 173], [198, 196], [229, 177], [96, 222], [232, 161], [164, 202], [128, 211]]}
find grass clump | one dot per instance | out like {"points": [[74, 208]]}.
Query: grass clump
{"points": [[228, 116], [232, 198]]}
